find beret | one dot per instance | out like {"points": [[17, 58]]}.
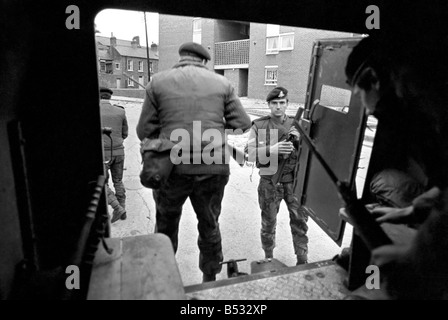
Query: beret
{"points": [[106, 90], [277, 93], [359, 59], [195, 49]]}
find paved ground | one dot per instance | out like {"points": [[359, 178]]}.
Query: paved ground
{"points": [[240, 219]]}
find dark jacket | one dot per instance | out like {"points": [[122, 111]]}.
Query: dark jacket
{"points": [[114, 117], [191, 97]]}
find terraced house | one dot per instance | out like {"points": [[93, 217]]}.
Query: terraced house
{"points": [[124, 64]]}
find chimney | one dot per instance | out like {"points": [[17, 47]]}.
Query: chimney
{"points": [[135, 42], [154, 48], [113, 40]]}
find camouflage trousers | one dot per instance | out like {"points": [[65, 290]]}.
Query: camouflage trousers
{"points": [[205, 192], [116, 166], [269, 198]]}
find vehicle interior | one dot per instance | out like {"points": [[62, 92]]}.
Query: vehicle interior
{"points": [[53, 207]]}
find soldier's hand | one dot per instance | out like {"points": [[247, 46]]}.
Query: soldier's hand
{"points": [[282, 148], [294, 132], [385, 254], [393, 215]]}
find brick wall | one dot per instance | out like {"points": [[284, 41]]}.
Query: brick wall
{"points": [[173, 31], [234, 77], [293, 66], [208, 39], [131, 93]]}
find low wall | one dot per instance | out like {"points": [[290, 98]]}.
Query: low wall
{"points": [[131, 93]]}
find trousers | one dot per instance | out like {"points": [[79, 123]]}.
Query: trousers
{"points": [[269, 198], [205, 192], [116, 166]]}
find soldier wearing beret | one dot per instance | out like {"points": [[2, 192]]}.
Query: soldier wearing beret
{"points": [[114, 117], [277, 177], [176, 99]]}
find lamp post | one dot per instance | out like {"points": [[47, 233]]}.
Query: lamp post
{"points": [[147, 48]]}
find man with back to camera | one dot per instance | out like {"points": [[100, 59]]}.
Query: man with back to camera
{"points": [[277, 180], [188, 97], [114, 117]]}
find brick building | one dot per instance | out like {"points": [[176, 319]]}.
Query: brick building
{"points": [[121, 59], [254, 57]]}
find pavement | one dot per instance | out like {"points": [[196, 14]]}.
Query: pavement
{"points": [[240, 218]]}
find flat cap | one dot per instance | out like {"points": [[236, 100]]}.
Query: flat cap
{"points": [[193, 48], [106, 90], [277, 93]]}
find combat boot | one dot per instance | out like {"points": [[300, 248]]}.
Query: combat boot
{"points": [[118, 213], [269, 254], [123, 205], [302, 259], [208, 277]]}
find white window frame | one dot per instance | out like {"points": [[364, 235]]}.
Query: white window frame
{"points": [[140, 64], [269, 49], [273, 34], [130, 82], [130, 65], [117, 66], [267, 80], [197, 32], [195, 26]]}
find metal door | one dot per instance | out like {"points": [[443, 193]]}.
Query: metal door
{"points": [[335, 121]]}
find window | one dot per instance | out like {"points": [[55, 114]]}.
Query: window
{"points": [[130, 82], [130, 65], [272, 45], [150, 67], [117, 65], [140, 66], [270, 75], [286, 41], [197, 30], [102, 67], [276, 42]]}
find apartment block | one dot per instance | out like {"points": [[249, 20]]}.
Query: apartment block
{"points": [[254, 57]]}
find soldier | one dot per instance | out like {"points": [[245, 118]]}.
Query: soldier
{"points": [[114, 117], [277, 181], [177, 98]]}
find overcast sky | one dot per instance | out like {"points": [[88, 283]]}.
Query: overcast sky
{"points": [[126, 24]]}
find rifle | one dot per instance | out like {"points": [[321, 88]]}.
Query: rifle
{"points": [[278, 175], [369, 230]]}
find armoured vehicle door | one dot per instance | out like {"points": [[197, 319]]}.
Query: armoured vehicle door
{"points": [[335, 122]]}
